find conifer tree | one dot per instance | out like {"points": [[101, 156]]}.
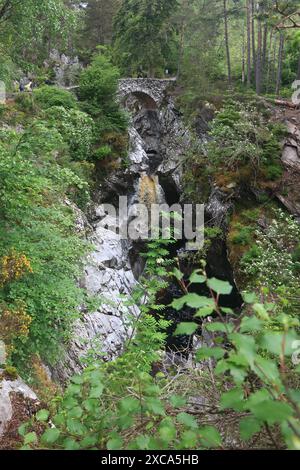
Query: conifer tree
{"points": [[143, 35]]}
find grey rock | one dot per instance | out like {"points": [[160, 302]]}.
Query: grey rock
{"points": [[66, 68], [290, 156], [6, 406], [157, 141], [138, 157], [218, 207]]}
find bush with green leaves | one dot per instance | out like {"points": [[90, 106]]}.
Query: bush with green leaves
{"points": [[37, 223], [48, 96], [240, 136], [262, 364], [77, 129], [243, 236], [25, 102], [270, 262], [242, 149], [296, 259], [98, 95], [97, 91], [8, 69], [121, 405]]}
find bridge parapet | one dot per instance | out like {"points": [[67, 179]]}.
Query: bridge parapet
{"points": [[154, 88]]}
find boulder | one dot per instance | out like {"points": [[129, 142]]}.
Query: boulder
{"points": [[17, 404]]}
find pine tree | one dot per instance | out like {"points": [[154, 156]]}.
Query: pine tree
{"points": [[142, 35], [98, 29]]}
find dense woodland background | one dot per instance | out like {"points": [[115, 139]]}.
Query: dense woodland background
{"points": [[235, 61], [202, 42]]}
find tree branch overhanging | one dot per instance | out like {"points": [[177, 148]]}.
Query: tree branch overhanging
{"points": [[289, 19]]}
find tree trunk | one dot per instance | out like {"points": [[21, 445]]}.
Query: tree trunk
{"points": [[274, 75], [181, 48], [253, 36], [243, 58], [280, 57], [258, 73], [227, 41], [264, 54], [269, 61], [248, 43]]}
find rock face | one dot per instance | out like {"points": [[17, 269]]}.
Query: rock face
{"points": [[66, 69], [16, 402], [139, 160], [290, 198], [108, 276], [217, 210], [157, 142], [218, 207]]}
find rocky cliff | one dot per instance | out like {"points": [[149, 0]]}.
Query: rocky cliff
{"points": [[157, 142]]}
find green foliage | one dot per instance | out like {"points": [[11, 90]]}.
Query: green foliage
{"points": [[26, 103], [121, 406], [29, 29], [200, 69], [296, 259], [143, 35], [77, 129], [97, 92], [8, 70], [251, 355], [48, 96], [239, 138], [37, 224], [252, 254], [103, 152], [271, 261], [242, 150], [243, 236]]}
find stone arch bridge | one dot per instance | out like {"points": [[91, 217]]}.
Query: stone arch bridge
{"points": [[150, 91]]}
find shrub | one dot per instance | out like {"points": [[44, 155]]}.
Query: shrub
{"points": [[244, 235], [273, 172], [41, 253], [97, 90], [25, 102], [102, 152], [121, 405], [296, 254], [8, 70], [296, 260], [271, 260], [77, 129], [242, 140], [48, 96], [253, 253]]}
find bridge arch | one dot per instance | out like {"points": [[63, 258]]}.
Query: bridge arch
{"points": [[144, 99], [151, 92]]}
